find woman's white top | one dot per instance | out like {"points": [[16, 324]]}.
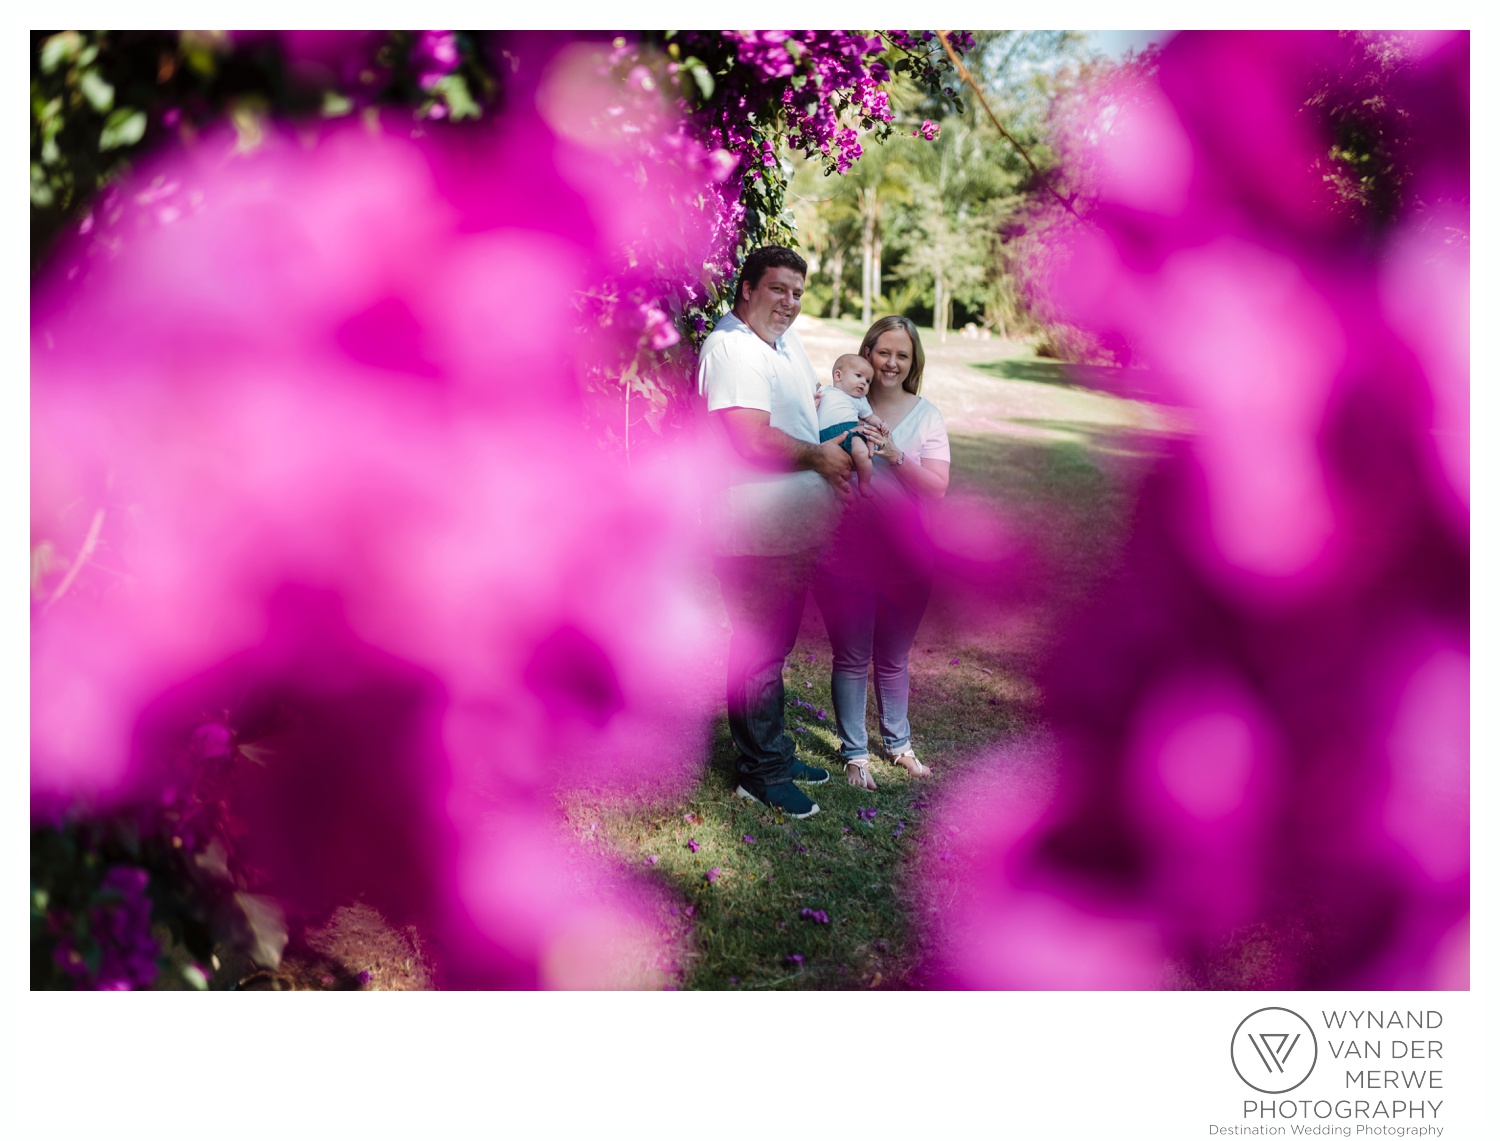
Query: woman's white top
{"points": [[921, 434]]}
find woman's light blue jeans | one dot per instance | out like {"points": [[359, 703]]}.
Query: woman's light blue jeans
{"points": [[871, 621]]}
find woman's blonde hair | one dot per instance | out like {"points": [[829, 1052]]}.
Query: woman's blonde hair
{"points": [[913, 381]]}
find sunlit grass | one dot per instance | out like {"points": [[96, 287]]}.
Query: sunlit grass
{"points": [[972, 688]]}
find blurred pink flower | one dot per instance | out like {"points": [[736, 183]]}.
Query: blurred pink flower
{"points": [[1256, 767], [304, 493]]}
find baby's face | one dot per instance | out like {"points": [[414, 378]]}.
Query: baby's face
{"points": [[855, 380]]}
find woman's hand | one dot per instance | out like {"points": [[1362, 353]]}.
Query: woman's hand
{"points": [[879, 437]]}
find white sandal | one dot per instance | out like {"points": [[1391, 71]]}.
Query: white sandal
{"points": [[859, 775], [908, 761]]}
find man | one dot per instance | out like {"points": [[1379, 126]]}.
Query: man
{"points": [[778, 501]]}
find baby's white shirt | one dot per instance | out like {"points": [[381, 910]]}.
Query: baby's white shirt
{"points": [[836, 406]]}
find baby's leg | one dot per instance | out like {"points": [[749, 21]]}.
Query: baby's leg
{"points": [[860, 452]]}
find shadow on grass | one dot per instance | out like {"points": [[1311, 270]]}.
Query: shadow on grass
{"points": [[1024, 368], [1131, 383]]}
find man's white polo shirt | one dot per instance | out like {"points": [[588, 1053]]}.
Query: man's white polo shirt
{"points": [[765, 512]]}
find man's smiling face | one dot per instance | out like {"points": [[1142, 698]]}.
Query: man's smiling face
{"points": [[772, 304]]}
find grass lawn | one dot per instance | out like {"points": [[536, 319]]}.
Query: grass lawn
{"points": [[749, 927]]}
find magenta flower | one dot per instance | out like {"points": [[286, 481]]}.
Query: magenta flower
{"points": [[711, 875], [1201, 793], [300, 475], [693, 845], [365, 978], [928, 130], [652, 859], [434, 56], [749, 839], [795, 960], [819, 916], [659, 332]]}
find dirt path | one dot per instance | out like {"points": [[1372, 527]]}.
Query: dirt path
{"points": [[979, 402]]}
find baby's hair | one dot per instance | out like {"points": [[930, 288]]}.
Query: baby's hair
{"points": [[843, 363]]}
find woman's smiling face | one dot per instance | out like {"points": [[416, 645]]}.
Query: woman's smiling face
{"points": [[891, 358]]}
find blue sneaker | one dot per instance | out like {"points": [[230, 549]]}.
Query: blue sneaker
{"points": [[786, 797], [808, 774]]}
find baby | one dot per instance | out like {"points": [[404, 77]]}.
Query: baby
{"points": [[842, 407]]}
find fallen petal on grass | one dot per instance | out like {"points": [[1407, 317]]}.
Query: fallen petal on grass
{"points": [[711, 875]]}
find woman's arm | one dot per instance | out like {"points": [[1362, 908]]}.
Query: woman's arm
{"points": [[928, 479]]}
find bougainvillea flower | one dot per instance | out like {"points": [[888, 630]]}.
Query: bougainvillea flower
{"points": [[282, 521], [1257, 760]]}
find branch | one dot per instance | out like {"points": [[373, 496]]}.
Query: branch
{"points": [[963, 73]]}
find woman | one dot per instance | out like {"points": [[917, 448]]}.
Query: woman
{"points": [[874, 582]]}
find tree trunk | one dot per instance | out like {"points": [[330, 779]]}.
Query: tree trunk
{"points": [[875, 278], [939, 306], [866, 250], [837, 273]]}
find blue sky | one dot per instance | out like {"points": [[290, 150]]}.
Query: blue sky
{"points": [[1115, 43]]}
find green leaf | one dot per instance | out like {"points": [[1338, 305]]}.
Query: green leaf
{"points": [[63, 46], [702, 78], [100, 94], [41, 190], [125, 127], [266, 928], [455, 93]]}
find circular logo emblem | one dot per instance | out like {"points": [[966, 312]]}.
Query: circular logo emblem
{"points": [[1273, 1050]]}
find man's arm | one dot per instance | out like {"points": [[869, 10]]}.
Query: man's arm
{"points": [[751, 435]]}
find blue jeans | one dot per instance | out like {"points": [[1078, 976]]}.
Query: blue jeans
{"points": [[871, 618], [764, 596]]}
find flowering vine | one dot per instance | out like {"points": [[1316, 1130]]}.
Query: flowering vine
{"points": [[730, 106]]}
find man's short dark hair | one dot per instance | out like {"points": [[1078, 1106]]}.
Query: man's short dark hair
{"points": [[767, 257]]}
